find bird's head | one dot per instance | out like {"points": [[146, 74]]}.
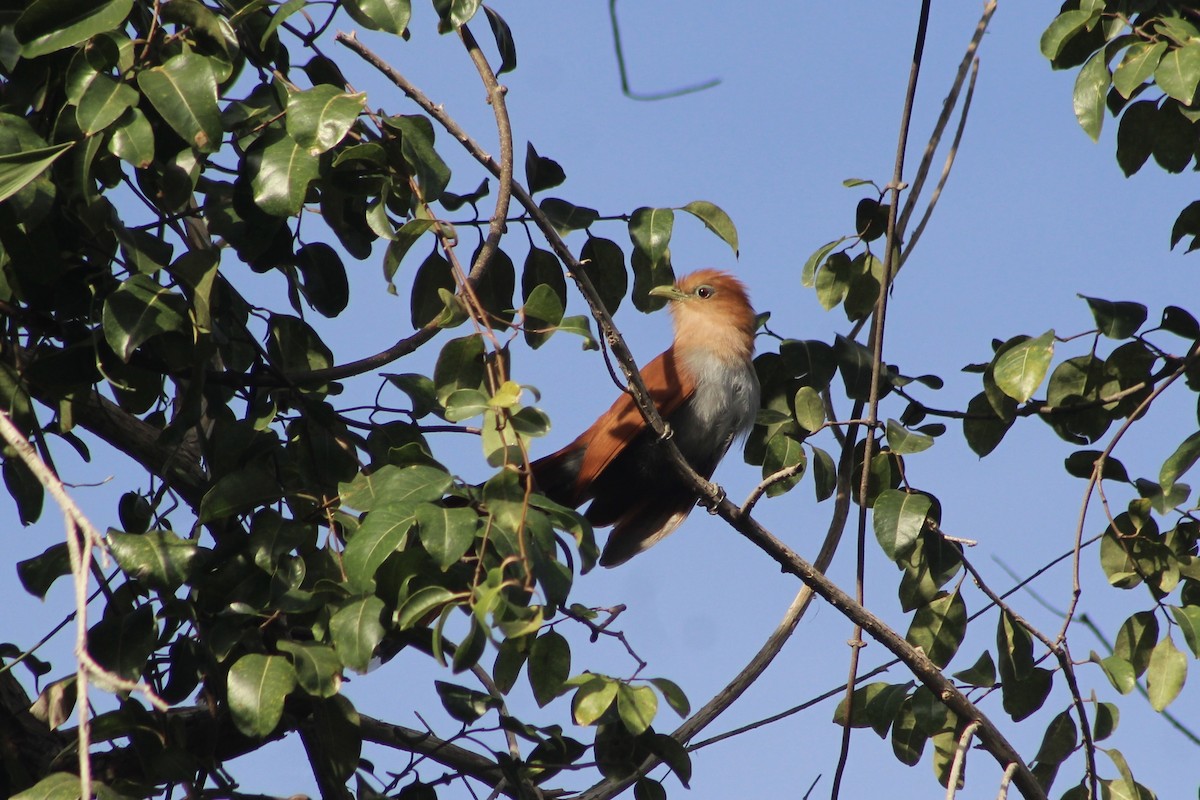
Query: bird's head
{"points": [[711, 310]]}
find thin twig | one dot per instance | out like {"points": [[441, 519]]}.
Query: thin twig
{"points": [[877, 333], [960, 759]]}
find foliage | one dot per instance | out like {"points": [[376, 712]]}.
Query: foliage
{"points": [[153, 158]]}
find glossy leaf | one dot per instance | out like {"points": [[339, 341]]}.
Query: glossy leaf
{"points": [[356, 631], [908, 741], [46, 26], [1116, 320], [716, 220], [1188, 619], [319, 118], [549, 666], [104, 101], [939, 627], [257, 687], [810, 408], [390, 16], [318, 669], [874, 706], [1166, 673], [905, 442], [604, 262], [1020, 369], [637, 706], [982, 673], [139, 310], [446, 533], [783, 451], [421, 604], [1180, 461], [380, 535], [280, 172], [566, 217], [1178, 72], [160, 559], [393, 484], [417, 147], [1091, 86], [650, 229], [463, 704], [898, 519], [593, 698], [1137, 66], [184, 91]]}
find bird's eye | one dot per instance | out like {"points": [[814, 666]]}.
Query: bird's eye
{"points": [[705, 292]]}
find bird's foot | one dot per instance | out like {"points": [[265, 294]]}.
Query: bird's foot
{"points": [[712, 502]]}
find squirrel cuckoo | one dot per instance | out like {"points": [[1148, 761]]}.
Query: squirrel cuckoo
{"points": [[704, 386]]}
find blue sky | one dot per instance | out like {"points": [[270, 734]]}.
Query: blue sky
{"points": [[810, 95]]}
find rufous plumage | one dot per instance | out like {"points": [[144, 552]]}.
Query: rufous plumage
{"points": [[705, 388]]}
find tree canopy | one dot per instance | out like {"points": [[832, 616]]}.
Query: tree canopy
{"points": [[194, 198]]}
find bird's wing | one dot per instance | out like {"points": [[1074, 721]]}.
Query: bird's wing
{"points": [[669, 387]]}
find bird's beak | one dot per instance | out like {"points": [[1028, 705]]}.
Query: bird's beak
{"points": [[667, 292]]}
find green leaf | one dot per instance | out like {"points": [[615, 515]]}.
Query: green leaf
{"points": [[1105, 721], [46, 26], [416, 145], [1082, 463], [541, 173], [566, 217], [1179, 462], [1116, 320], [674, 696], [1137, 66], [1136, 639], [280, 171], [257, 687], [325, 285], [604, 262], [1014, 648], [421, 604], [39, 573], [504, 43], [1059, 740], [715, 220], [650, 229], [982, 427], [104, 101], [1166, 674], [1019, 370], [898, 519], [433, 276], [1137, 135], [1023, 697], [389, 484], [982, 673], [1091, 87], [241, 491], [810, 408], [1178, 72], [420, 391], [824, 474], [381, 534], [460, 365], [320, 117], [1060, 31], [874, 706], [593, 698], [318, 669], [783, 451], [908, 741], [1177, 320], [463, 704], [808, 274], [57, 786], [141, 309], [184, 91], [542, 312], [637, 707], [939, 627], [356, 631], [160, 559], [1118, 671], [446, 533], [905, 442], [390, 16], [549, 666], [1188, 619], [18, 170]]}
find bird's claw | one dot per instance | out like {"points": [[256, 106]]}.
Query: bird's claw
{"points": [[712, 502], [667, 433]]}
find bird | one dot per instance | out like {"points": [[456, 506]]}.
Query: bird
{"points": [[705, 388]]}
